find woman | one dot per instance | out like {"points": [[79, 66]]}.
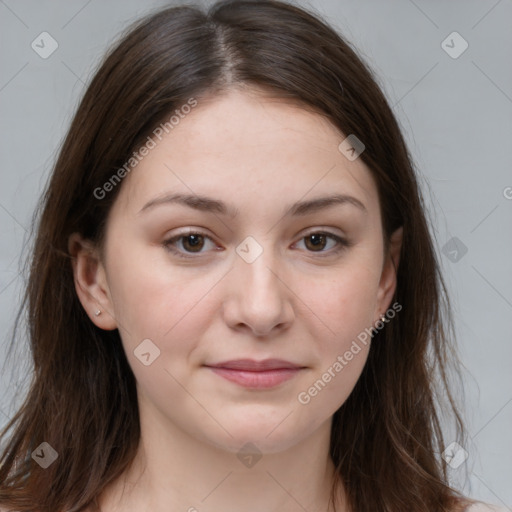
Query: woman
{"points": [[234, 299]]}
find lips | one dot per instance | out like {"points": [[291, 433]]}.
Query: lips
{"points": [[251, 365], [252, 374]]}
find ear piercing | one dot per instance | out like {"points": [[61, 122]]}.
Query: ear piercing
{"points": [[97, 312]]}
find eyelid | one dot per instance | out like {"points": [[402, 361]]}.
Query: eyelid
{"points": [[342, 242]]}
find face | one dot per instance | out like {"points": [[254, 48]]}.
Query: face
{"points": [[244, 263]]}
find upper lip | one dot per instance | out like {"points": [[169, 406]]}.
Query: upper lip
{"points": [[253, 365]]}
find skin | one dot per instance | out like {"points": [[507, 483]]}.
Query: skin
{"points": [[297, 301]]}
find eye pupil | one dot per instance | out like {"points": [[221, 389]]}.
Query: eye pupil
{"points": [[196, 240], [318, 240]]}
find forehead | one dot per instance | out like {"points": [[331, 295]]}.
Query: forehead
{"points": [[249, 149]]}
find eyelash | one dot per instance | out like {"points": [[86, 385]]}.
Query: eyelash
{"points": [[342, 243]]}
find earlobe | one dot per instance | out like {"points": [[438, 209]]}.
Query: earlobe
{"points": [[388, 281], [90, 282]]}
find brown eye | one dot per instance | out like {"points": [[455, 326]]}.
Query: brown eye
{"points": [[318, 242], [191, 243], [195, 242]]}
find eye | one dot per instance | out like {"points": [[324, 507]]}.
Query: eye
{"points": [[191, 242], [316, 241]]}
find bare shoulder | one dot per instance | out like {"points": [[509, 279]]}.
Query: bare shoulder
{"points": [[486, 507]]}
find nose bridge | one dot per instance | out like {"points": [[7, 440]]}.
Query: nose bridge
{"points": [[256, 265], [259, 297]]}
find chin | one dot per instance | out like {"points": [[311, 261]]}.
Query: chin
{"points": [[266, 435], [249, 442]]}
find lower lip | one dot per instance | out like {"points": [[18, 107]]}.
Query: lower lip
{"points": [[257, 379]]}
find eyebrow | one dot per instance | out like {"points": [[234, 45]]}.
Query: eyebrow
{"points": [[208, 204]]}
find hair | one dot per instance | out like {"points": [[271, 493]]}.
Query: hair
{"points": [[387, 437]]}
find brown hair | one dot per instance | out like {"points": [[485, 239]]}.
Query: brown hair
{"points": [[386, 438]]}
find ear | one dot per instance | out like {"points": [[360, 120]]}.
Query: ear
{"points": [[387, 285], [90, 282]]}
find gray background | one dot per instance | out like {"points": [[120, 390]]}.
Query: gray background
{"points": [[457, 117]]}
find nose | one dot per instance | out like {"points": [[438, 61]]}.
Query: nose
{"points": [[258, 298]]}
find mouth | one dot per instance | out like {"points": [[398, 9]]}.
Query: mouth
{"points": [[253, 374]]}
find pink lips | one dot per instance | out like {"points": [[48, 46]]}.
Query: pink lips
{"points": [[256, 374]]}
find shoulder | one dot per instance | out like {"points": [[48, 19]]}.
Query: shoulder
{"points": [[484, 507]]}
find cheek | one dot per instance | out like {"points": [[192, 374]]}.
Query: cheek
{"points": [[169, 309], [157, 301], [345, 307], [343, 303], [329, 389]]}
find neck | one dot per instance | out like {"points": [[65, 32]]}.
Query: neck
{"points": [[175, 471]]}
